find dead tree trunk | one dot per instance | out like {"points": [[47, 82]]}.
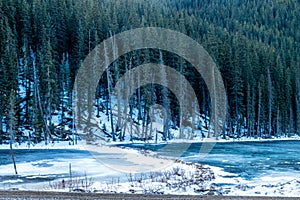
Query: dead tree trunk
{"points": [[11, 125]]}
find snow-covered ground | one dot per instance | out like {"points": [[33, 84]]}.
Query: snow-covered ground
{"points": [[284, 184], [252, 139], [55, 145]]}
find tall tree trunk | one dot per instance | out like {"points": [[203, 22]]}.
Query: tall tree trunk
{"points": [[278, 122], [252, 115], [182, 90], [110, 103], [38, 96], [109, 88], [298, 101], [291, 121], [259, 110], [248, 99], [12, 154], [1, 124], [269, 103]]}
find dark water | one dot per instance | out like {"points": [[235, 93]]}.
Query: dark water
{"points": [[246, 159]]}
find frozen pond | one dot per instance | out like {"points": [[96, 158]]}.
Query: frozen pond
{"points": [[248, 160], [239, 162], [37, 167]]}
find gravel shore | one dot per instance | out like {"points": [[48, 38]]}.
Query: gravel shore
{"points": [[24, 195]]}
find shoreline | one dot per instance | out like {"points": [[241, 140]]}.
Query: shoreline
{"points": [[81, 143], [206, 140]]}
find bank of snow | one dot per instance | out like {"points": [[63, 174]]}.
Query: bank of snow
{"points": [[230, 184], [52, 145], [180, 178]]}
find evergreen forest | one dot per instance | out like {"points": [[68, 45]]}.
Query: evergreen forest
{"points": [[255, 44]]}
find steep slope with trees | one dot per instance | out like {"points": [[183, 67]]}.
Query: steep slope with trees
{"points": [[254, 43]]}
